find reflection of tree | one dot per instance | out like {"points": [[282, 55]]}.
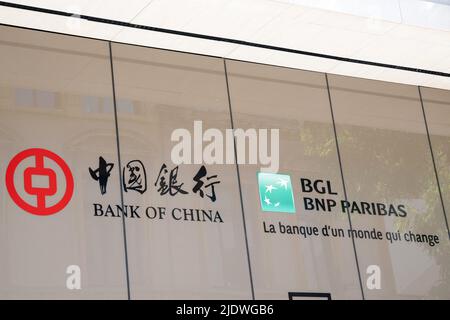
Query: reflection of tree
{"points": [[317, 139], [319, 147], [431, 221], [389, 165]]}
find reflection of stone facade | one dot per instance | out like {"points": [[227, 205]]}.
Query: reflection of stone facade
{"points": [[56, 93]]}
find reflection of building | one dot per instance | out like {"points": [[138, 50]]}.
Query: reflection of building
{"points": [[369, 138]]}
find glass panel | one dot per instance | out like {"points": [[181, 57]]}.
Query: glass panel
{"points": [[296, 103], [391, 188], [48, 87], [187, 240], [437, 109]]}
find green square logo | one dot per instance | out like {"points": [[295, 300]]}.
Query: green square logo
{"points": [[275, 192]]}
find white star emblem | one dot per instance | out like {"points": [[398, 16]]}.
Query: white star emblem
{"points": [[267, 201], [269, 188], [283, 183], [277, 204]]}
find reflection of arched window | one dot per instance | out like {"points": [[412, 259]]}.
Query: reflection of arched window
{"points": [[104, 141], [92, 139]]}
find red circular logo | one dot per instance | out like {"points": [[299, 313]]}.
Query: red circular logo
{"points": [[41, 193]]}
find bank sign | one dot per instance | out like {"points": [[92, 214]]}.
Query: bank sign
{"points": [[41, 190], [276, 193], [41, 183], [165, 180], [37, 189]]}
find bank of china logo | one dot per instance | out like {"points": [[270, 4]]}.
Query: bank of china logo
{"points": [[275, 192]]}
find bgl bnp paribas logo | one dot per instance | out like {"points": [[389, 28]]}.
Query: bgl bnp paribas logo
{"points": [[275, 192]]}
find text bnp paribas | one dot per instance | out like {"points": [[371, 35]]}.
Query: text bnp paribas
{"points": [[329, 204]]}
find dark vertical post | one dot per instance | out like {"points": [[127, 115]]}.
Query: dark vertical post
{"points": [[239, 182], [343, 185], [124, 229]]}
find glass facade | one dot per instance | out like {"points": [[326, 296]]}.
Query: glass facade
{"points": [[90, 193]]}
